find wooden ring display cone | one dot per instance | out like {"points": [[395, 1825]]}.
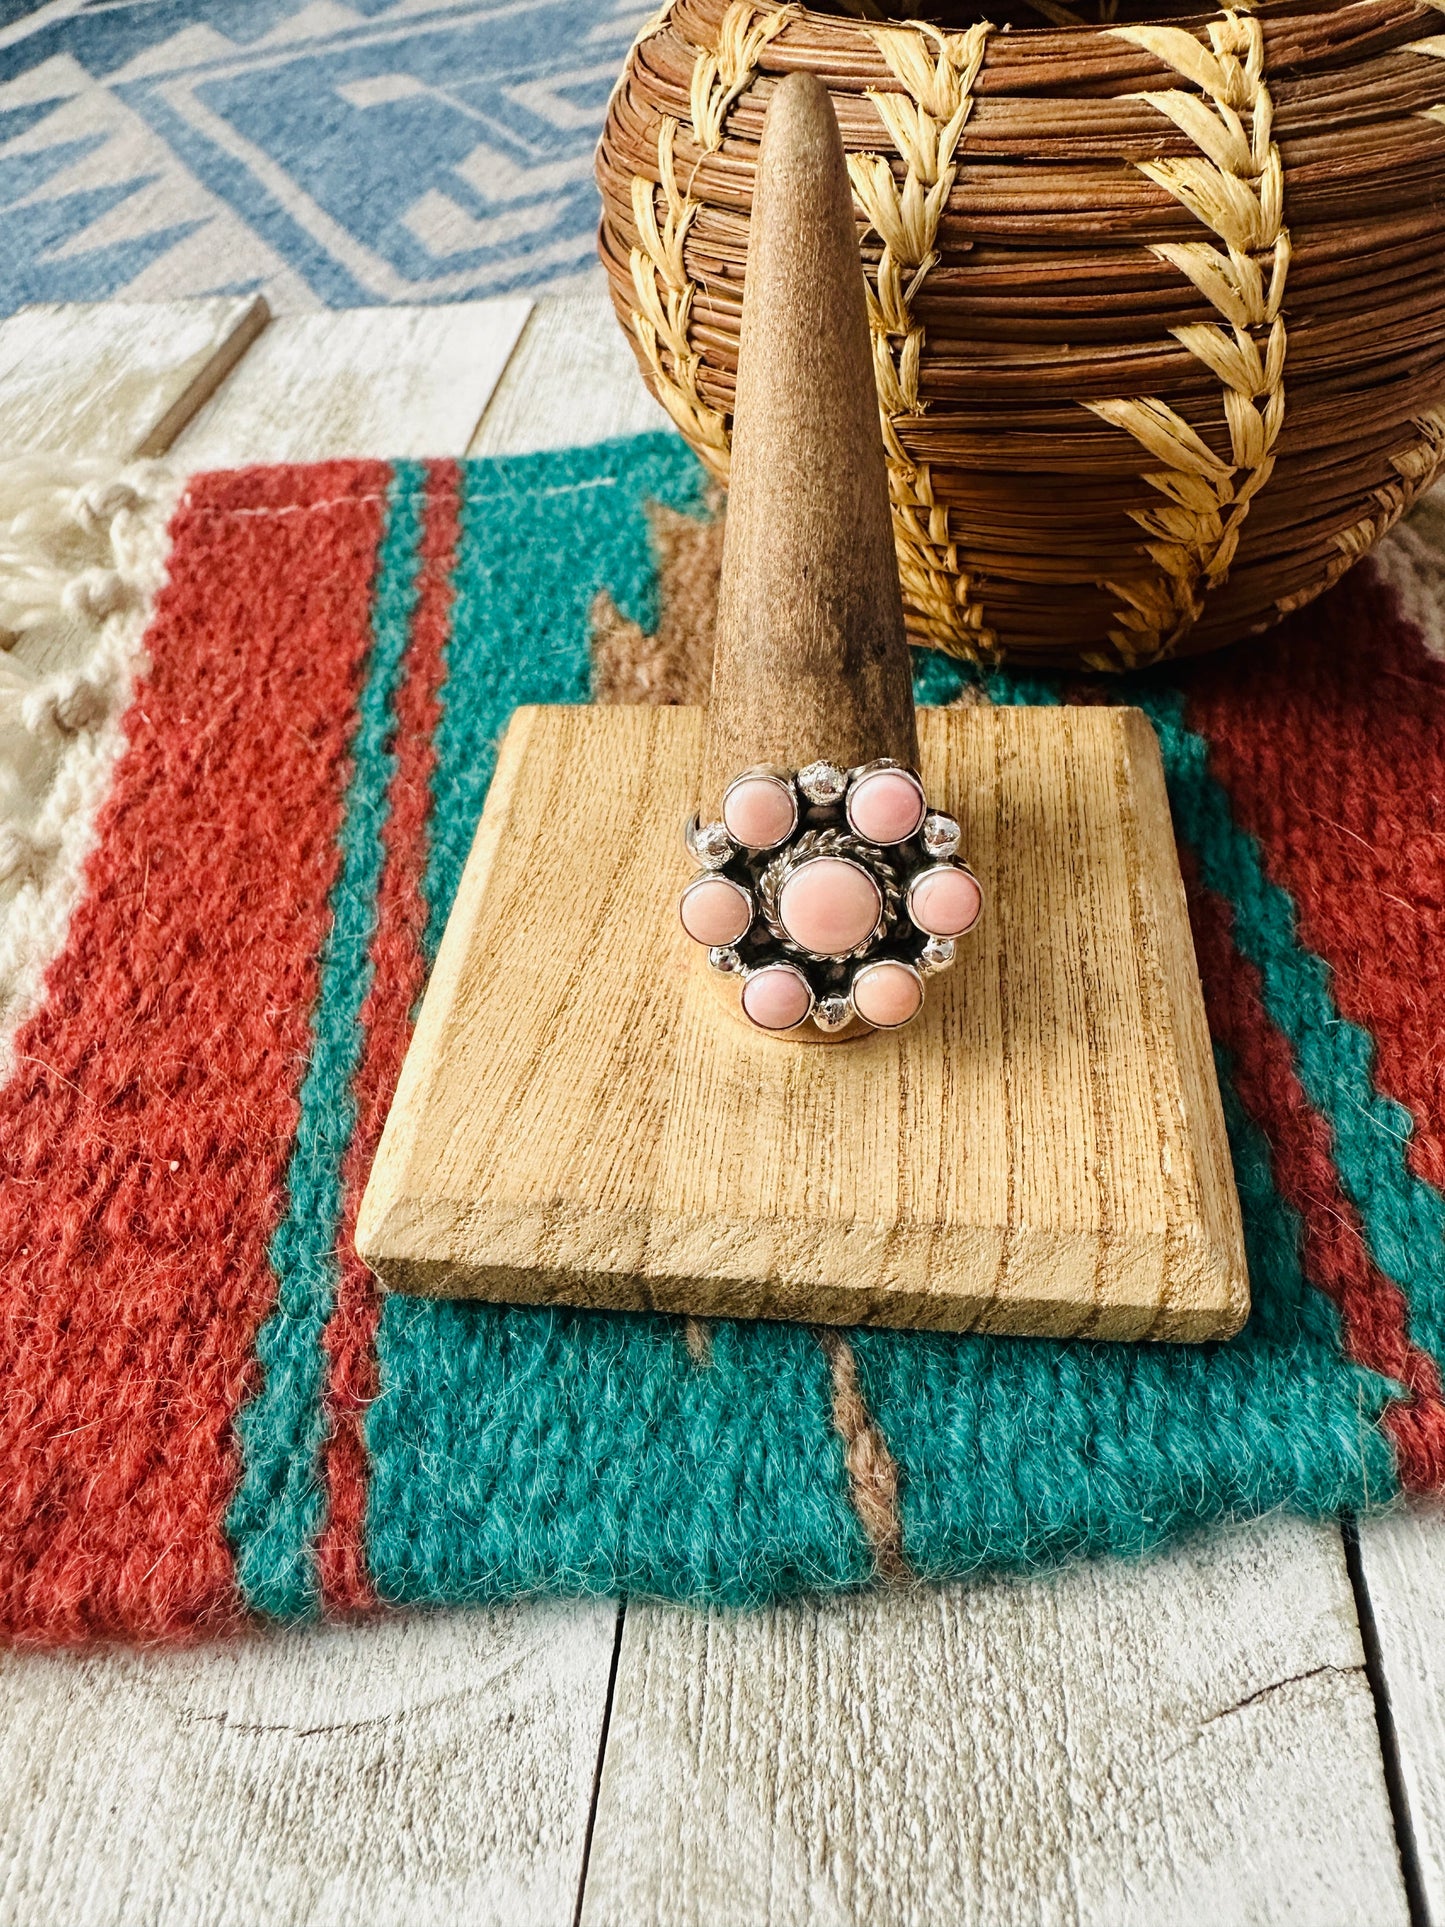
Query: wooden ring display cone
{"points": [[811, 662], [805, 903], [1042, 1151]]}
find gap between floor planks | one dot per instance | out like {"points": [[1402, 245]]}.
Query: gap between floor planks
{"points": [[1399, 1571], [914, 1675]]}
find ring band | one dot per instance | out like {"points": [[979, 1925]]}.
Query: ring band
{"points": [[829, 895]]}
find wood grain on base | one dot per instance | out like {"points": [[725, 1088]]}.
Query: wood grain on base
{"points": [[1042, 1152], [1183, 1742]]}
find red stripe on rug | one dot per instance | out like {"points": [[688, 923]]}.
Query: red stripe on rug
{"points": [[1332, 748], [146, 1133], [399, 964], [1373, 1311]]}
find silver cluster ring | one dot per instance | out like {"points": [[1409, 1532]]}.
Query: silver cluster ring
{"points": [[829, 894]]}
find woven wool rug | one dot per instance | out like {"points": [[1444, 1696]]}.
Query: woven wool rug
{"points": [[245, 734]]}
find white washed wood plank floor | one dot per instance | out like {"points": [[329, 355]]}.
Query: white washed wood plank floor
{"points": [[1191, 1740]]}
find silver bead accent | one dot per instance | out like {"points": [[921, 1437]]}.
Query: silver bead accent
{"points": [[710, 843], [832, 1013], [941, 835], [937, 954], [723, 957], [822, 782]]}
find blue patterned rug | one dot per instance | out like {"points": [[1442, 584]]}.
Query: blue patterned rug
{"points": [[329, 153]]}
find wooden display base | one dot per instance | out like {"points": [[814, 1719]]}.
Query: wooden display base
{"points": [[1043, 1151]]}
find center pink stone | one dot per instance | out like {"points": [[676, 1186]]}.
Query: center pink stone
{"points": [[830, 905]]}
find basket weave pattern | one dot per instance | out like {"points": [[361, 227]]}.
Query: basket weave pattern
{"points": [[1158, 307]]}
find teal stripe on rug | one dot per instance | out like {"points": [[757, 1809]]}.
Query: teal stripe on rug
{"points": [[542, 536], [1095, 1448], [514, 1448], [278, 1508], [1403, 1216], [517, 1448]]}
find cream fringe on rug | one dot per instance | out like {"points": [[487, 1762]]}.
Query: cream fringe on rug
{"points": [[82, 555]]}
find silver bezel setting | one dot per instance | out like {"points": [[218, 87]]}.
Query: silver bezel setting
{"points": [[773, 965], [932, 869], [866, 970], [814, 846], [717, 876], [885, 764], [768, 772], [822, 828]]}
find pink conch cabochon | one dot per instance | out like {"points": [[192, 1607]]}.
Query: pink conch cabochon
{"points": [[886, 805], [945, 902], [887, 994], [830, 905], [777, 998], [715, 911], [759, 811]]}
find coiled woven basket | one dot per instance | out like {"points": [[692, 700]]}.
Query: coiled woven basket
{"points": [[1158, 304]]}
